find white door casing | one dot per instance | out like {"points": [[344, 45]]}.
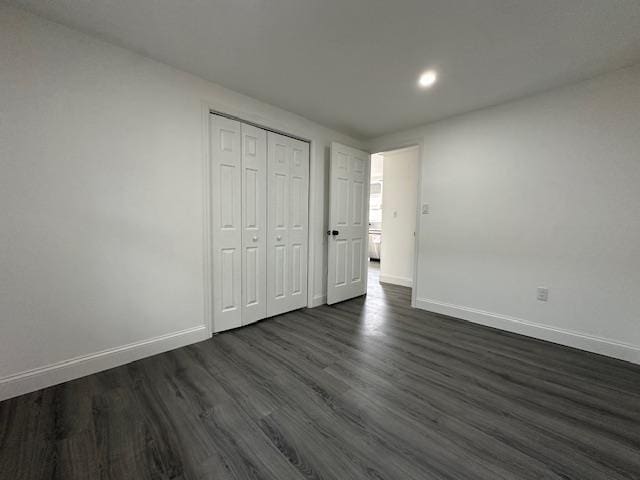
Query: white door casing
{"points": [[349, 217], [254, 224], [226, 222], [288, 212]]}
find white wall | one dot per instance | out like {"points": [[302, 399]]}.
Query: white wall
{"points": [[544, 191], [102, 201], [399, 202]]}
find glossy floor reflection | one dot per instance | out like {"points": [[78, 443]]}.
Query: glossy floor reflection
{"points": [[366, 389]]}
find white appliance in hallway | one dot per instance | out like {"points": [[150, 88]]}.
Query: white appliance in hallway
{"points": [[348, 223], [375, 244], [375, 208], [260, 185]]}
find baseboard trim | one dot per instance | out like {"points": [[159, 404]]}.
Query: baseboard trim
{"points": [[318, 300], [570, 338], [42, 377], [402, 281]]}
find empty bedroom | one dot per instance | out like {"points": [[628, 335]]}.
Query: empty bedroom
{"points": [[295, 239]]}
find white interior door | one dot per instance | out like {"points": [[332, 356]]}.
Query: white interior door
{"points": [[348, 223], [254, 224], [226, 223], [288, 220]]}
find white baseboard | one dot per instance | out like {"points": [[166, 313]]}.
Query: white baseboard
{"points": [[402, 281], [37, 378], [570, 338], [318, 300]]}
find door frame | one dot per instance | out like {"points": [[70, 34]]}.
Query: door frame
{"points": [[390, 145], [269, 123]]}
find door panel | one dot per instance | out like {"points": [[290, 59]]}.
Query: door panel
{"points": [[226, 222], [252, 271], [340, 247], [288, 213], [349, 216], [227, 264], [358, 202], [296, 269], [254, 219], [280, 206], [356, 260], [280, 264]]}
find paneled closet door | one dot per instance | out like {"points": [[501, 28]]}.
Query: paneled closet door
{"points": [[254, 224], [226, 165], [288, 217]]}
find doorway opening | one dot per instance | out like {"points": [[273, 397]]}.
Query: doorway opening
{"points": [[393, 201]]}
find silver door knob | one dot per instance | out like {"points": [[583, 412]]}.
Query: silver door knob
{"points": [[255, 239], [279, 237]]}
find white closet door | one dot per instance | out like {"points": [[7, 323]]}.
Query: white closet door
{"points": [[288, 219], [348, 223], [254, 224], [226, 223]]}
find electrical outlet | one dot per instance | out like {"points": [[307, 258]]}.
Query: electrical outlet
{"points": [[425, 209], [543, 294]]}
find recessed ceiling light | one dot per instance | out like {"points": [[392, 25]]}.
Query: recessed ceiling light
{"points": [[428, 78]]}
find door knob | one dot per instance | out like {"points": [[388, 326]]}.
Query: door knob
{"points": [[278, 238], [255, 239], [335, 232]]}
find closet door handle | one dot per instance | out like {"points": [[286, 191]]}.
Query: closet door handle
{"points": [[255, 239], [278, 238]]}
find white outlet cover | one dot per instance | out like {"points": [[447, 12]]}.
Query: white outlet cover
{"points": [[543, 294]]}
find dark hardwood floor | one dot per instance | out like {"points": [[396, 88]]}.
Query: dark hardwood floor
{"points": [[369, 388]]}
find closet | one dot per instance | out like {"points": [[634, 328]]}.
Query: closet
{"points": [[259, 213]]}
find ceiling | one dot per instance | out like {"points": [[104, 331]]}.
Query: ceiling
{"points": [[353, 64]]}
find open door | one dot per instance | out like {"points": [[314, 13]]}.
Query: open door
{"points": [[348, 223]]}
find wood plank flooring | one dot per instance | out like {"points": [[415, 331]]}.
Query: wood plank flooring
{"points": [[367, 389]]}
